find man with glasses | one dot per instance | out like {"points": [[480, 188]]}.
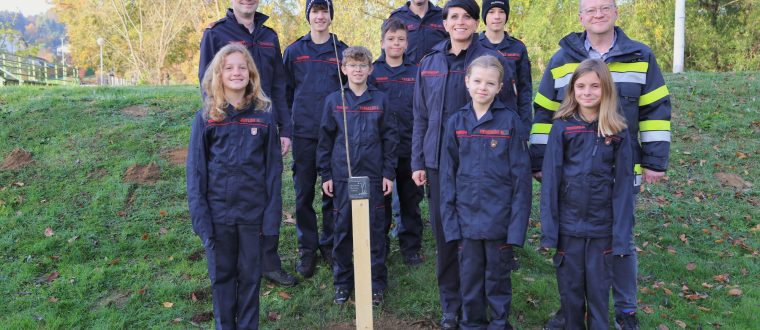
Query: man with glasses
{"points": [[645, 102]]}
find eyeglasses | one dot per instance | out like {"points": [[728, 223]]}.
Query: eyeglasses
{"points": [[357, 66], [606, 9]]}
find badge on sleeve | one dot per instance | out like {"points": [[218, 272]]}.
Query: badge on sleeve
{"points": [[494, 143], [254, 131]]}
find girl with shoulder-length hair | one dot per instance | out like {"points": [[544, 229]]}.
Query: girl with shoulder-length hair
{"points": [[234, 182]]}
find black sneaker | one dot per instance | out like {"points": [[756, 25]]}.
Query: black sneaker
{"points": [[327, 255], [557, 322], [377, 298], [449, 321], [626, 321], [281, 278], [414, 259], [341, 295], [306, 265]]}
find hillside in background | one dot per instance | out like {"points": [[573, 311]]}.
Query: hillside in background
{"points": [[38, 35]]}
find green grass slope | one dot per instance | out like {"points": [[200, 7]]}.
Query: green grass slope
{"points": [[82, 248]]}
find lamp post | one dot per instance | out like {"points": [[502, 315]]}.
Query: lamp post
{"points": [[101, 42]]}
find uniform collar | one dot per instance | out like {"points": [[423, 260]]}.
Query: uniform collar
{"points": [[507, 39], [574, 44], [258, 18], [381, 60]]}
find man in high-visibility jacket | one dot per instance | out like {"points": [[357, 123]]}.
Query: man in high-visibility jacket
{"points": [[644, 100]]}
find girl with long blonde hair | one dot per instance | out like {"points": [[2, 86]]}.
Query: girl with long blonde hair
{"points": [[234, 181]]}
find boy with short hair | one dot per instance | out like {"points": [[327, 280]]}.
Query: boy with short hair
{"points": [[394, 74], [372, 140], [495, 16], [424, 24], [311, 70]]}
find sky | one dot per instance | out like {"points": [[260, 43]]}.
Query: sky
{"points": [[26, 7]]}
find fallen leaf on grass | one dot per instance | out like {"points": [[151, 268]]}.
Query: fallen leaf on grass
{"points": [[145, 236], [323, 286], [647, 309], [121, 214], [52, 277], [691, 266], [273, 316], [288, 218], [53, 299], [71, 240], [193, 297], [681, 324], [142, 291], [671, 250], [662, 327], [167, 304], [722, 278], [667, 291], [734, 292], [704, 309], [646, 290], [741, 155], [163, 213], [18, 184], [49, 232], [115, 261], [177, 320], [284, 295], [707, 286], [266, 293]]}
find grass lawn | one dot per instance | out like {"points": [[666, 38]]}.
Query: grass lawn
{"points": [[82, 248]]}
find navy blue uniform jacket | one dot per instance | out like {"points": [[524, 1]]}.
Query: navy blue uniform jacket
{"points": [[422, 33], [398, 84], [264, 47], [311, 75], [234, 172], [372, 137], [485, 177], [430, 93], [514, 51], [587, 185]]}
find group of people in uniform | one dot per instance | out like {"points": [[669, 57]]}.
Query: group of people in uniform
{"points": [[445, 112]]}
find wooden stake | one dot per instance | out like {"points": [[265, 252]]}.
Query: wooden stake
{"points": [[359, 194]]}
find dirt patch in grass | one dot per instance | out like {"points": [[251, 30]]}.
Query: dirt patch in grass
{"points": [[18, 158], [732, 180], [202, 317], [389, 322], [201, 294], [138, 111], [145, 174], [196, 255], [176, 156], [97, 174], [116, 299]]}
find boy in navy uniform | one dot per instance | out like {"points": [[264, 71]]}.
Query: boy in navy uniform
{"points": [[395, 75], [245, 26], [485, 196], [439, 92], [311, 70], [495, 16], [372, 144], [424, 23]]}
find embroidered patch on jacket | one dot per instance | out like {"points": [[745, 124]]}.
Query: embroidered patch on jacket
{"points": [[254, 131]]}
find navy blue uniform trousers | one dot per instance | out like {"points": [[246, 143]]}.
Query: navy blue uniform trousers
{"points": [[304, 179], [447, 265], [343, 250], [234, 258], [409, 197], [485, 267], [584, 276]]}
